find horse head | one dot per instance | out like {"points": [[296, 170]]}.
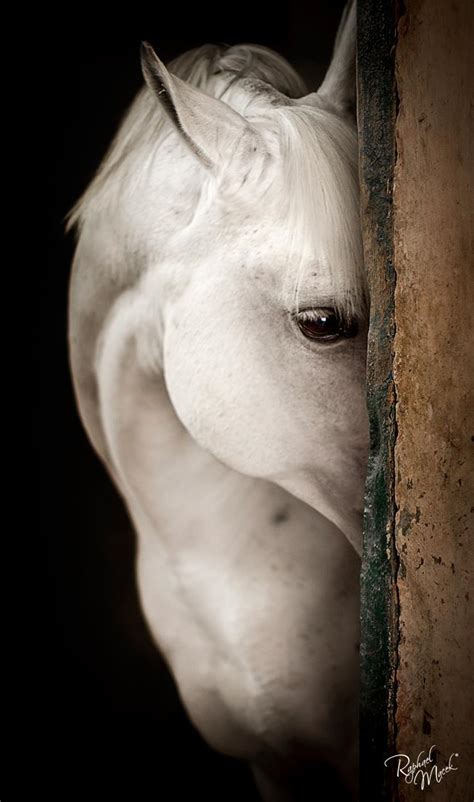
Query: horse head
{"points": [[263, 302]]}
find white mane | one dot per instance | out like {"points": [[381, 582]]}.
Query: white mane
{"points": [[319, 153], [142, 127]]}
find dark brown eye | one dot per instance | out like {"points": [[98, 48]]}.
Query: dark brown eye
{"points": [[324, 324]]}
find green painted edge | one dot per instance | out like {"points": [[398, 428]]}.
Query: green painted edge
{"points": [[377, 109]]}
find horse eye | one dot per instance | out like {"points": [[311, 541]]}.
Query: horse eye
{"points": [[324, 324]]}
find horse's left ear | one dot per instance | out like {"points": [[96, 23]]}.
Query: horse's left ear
{"points": [[338, 88], [208, 126]]}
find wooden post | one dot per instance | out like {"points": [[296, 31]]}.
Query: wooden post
{"points": [[416, 73]]}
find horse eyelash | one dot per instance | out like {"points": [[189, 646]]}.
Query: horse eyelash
{"points": [[313, 312]]}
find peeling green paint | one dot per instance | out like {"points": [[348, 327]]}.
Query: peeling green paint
{"points": [[379, 626]]}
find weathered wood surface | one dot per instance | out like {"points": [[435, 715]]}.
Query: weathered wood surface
{"points": [[433, 373], [416, 149]]}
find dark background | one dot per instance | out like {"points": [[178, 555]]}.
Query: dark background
{"points": [[111, 724]]}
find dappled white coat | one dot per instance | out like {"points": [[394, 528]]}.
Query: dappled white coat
{"points": [[224, 211]]}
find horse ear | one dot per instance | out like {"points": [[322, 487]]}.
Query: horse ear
{"points": [[338, 88], [339, 85], [208, 126]]}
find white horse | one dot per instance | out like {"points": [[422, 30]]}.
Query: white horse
{"points": [[218, 344]]}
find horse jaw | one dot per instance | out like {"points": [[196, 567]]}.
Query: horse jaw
{"points": [[330, 503]]}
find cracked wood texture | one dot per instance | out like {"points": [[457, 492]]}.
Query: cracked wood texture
{"points": [[433, 206]]}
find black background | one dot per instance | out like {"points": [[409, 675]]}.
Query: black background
{"points": [[111, 724]]}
